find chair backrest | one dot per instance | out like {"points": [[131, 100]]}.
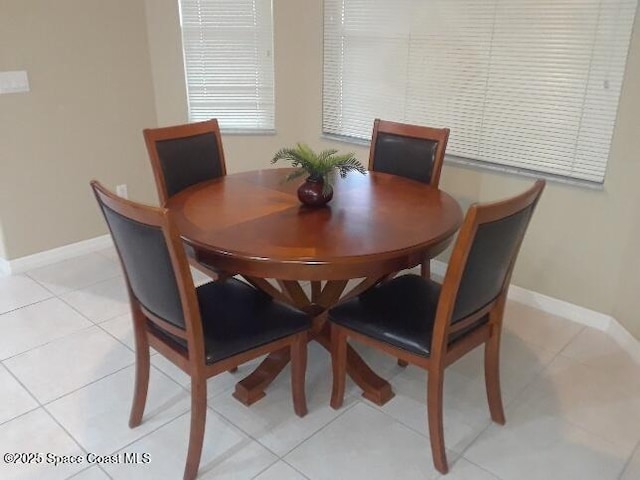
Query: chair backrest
{"points": [[154, 262], [410, 151], [483, 259], [184, 155]]}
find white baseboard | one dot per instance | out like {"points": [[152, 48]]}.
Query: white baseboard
{"points": [[54, 255], [578, 314], [5, 268]]}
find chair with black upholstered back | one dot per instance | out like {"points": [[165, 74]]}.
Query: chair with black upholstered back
{"points": [[410, 151], [203, 331], [430, 325], [181, 156]]}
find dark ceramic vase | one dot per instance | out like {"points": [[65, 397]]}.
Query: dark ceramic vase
{"points": [[310, 192]]}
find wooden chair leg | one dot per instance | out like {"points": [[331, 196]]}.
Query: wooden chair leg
{"points": [[425, 268], [402, 363], [339, 365], [198, 419], [435, 384], [141, 382], [298, 372], [492, 378]]}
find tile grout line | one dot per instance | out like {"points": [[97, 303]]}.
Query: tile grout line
{"points": [[28, 274], [66, 302], [238, 427], [28, 305], [48, 413], [521, 394], [49, 342], [38, 405], [628, 462], [59, 298], [266, 468], [302, 442], [295, 469], [76, 475]]}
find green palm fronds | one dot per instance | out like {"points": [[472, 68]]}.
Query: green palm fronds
{"points": [[318, 166]]}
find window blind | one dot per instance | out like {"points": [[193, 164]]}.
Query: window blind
{"points": [[530, 84], [228, 47]]}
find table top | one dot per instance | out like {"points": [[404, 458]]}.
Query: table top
{"points": [[253, 223]]}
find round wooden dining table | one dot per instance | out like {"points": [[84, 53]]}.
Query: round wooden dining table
{"points": [[252, 224]]}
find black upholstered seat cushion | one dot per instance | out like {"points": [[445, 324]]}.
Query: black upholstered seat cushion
{"points": [[237, 317], [400, 312]]}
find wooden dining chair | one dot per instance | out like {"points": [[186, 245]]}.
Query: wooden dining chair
{"points": [[204, 331], [411, 151], [432, 325], [181, 156]]}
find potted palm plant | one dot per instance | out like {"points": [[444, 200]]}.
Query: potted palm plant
{"points": [[320, 169]]}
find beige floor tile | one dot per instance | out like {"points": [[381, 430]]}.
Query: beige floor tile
{"points": [[366, 444], [36, 432], [110, 253], [227, 453], [98, 414], [68, 363], [75, 273], [597, 349], [101, 301], [596, 401], [38, 324], [18, 291], [463, 469], [632, 469], [280, 471], [272, 420], [93, 473], [410, 408], [520, 364], [539, 328], [15, 400], [543, 449]]}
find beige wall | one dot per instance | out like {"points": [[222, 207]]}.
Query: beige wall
{"points": [[581, 245], [91, 96]]}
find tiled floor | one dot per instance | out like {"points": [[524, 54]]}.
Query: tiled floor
{"points": [[572, 401]]}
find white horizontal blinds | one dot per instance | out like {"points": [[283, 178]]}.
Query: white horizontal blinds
{"points": [[549, 106], [531, 84], [605, 83], [447, 76], [365, 64], [229, 62]]}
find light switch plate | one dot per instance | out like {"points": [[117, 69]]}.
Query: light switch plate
{"points": [[14, 82]]}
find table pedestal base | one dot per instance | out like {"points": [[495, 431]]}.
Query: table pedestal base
{"points": [[251, 389]]}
